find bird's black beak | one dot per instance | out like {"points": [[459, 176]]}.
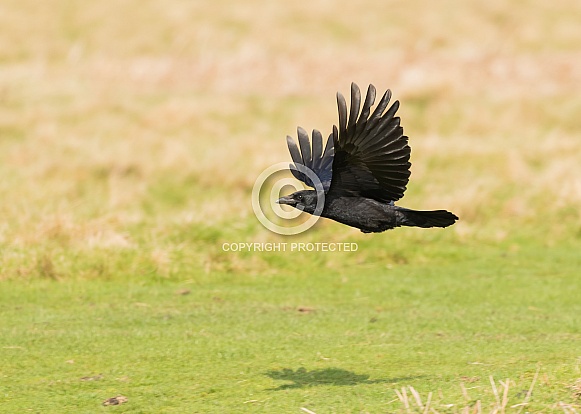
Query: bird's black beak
{"points": [[287, 200]]}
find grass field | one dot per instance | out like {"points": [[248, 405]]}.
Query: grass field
{"points": [[131, 134]]}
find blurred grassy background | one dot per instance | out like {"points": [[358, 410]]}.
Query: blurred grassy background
{"points": [[131, 133], [126, 124]]}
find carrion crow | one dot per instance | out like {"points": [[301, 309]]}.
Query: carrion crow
{"points": [[363, 169]]}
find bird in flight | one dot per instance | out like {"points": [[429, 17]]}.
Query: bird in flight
{"points": [[363, 169]]}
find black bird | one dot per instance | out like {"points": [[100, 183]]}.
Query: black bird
{"points": [[363, 169]]}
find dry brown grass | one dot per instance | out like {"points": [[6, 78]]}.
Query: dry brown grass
{"points": [[103, 101], [498, 394]]}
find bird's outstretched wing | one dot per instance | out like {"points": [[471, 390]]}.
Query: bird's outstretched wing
{"points": [[316, 159], [371, 153]]}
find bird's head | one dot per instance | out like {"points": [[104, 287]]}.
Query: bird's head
{"points": [[305, 200]]}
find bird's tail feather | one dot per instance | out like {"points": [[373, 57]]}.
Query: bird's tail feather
{"points": [[426, 219]]}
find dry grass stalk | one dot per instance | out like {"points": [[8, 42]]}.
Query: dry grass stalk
{"points": [[417, 397], [403, 398], [495, 392], [428, 403], [567, 408], [530, 391], [464, 391], [500, 407], [504, 395]]}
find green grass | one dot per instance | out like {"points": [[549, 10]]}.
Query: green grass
{"points": [[131, 134], [327, 340]]}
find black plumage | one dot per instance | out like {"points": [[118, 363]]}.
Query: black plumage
{"points": [[364, 168]]}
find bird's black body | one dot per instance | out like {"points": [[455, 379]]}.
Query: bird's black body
{"points": [[363, 172], [367, 214], [372, 216]]}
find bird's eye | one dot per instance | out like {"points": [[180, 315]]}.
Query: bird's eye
{"points": [[300, 197]]}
